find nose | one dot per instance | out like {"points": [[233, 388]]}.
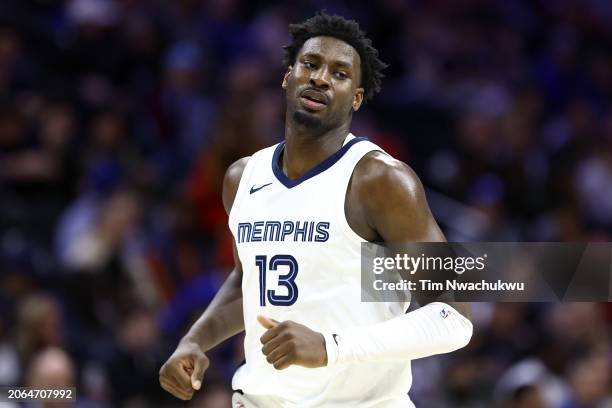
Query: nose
{"points": [[320, 78]]}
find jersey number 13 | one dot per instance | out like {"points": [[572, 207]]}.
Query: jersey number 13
{"points": [[287, 280]]}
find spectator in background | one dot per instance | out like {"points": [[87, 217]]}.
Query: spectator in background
{"points": [[590, 381], [39, 326], [52, 368], [140, 352], [94, 231]]}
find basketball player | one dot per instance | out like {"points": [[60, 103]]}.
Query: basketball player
{"points": [[298, 212]]}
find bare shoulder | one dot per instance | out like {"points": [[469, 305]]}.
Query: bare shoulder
{"points": [[383, 193], [379, 178], [390, 196], [231, 181]]}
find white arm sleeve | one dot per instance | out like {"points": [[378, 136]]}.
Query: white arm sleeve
{"points": [[435, 328]]}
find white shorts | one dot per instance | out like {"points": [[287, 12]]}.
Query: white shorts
{"points": [[240, 400]]}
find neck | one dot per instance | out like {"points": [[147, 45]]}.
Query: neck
{"points": [[305, 149]]}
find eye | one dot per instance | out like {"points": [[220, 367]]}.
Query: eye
{"points": [[341, 75], [309, 65]]}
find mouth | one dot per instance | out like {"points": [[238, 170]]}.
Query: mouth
{"points": [[313, 100]]}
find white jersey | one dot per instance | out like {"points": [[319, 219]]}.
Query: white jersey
{"points": [[301, 262]]}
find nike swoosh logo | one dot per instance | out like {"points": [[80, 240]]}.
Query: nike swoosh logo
{"points": [[254, 190]]}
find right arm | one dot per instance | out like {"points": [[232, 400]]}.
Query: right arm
{"points": [[222, 319]]}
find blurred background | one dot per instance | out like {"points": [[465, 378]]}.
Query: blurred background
{"points": [[118, 119]]}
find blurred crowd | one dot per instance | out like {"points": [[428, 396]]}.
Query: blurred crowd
{"points": [[118, 119]]}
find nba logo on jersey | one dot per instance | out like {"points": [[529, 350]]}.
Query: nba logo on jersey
{"points": [[445, 313]]}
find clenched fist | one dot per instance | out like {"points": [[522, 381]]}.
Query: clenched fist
{"points": [[182, 374], [290, 343]]}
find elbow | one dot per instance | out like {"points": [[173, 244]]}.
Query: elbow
{"points": [[462, 325], [459, 333], [464, 334]]}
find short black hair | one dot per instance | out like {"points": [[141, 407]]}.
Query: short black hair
{"points": [[323, 24]]}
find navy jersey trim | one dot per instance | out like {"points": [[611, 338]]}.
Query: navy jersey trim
{"points": [[319, 168]]}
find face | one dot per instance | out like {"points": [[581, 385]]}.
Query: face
{"points": [[322, 86]]}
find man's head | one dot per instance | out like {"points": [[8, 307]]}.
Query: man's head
{"points": [[331, 69]]}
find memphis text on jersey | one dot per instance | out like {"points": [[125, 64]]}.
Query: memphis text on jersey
{"points": [[266, 231]]}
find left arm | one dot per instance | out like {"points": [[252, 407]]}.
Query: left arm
{"points": [[389, 197], [386, 201]]}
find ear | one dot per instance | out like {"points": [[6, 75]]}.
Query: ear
{"points": [[286, 77], [358, 99]]}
